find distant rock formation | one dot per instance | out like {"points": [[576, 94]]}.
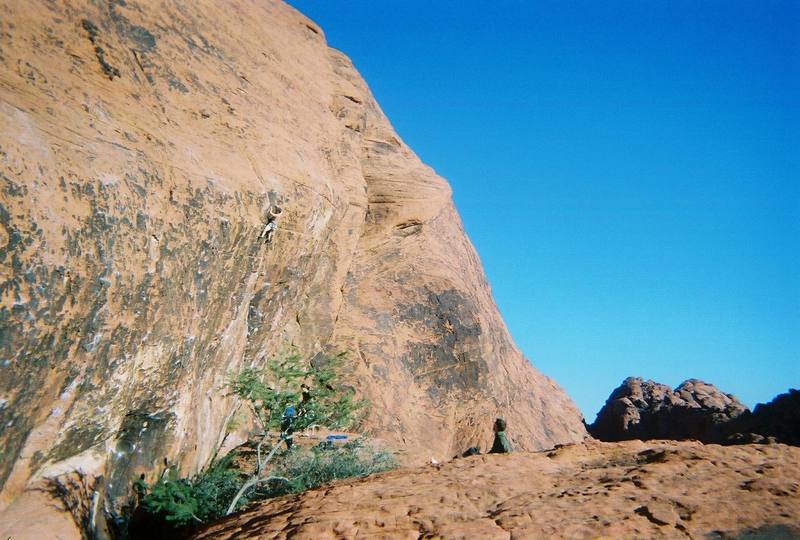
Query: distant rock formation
{"points": [[778, 420], [694, 410], [647, 410]]}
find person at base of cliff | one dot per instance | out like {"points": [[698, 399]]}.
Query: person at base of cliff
{"points": [[305, 400], [286, 426], [501, 445]]}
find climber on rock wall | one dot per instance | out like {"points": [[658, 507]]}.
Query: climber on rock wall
{"points": [[271, 226]]}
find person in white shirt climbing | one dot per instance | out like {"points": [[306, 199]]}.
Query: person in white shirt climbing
{"points": [[271, 226]]}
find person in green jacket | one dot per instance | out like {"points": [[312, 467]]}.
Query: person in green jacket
{"points": [[501, 445]]}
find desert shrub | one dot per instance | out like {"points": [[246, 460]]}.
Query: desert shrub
{"points": [[174, 506], [269, 391], [180, 502]]}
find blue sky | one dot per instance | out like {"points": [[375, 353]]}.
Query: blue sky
{"points": [[629, 173]]}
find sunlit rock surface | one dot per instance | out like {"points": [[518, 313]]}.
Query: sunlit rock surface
{"points": [[142, 146], [633, 489]]}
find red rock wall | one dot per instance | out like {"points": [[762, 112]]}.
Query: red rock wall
{"points": [[142, 144]]}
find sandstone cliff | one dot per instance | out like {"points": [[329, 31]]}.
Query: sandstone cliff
{"points": [[142, 145]]}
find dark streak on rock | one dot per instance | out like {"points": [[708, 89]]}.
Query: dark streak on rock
{"points": [[450, 359]]}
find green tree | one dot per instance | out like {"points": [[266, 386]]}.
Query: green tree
{"points": [[270, 390], [180, 504]]}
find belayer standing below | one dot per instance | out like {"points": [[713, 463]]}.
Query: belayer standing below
{"points": [[286, 426], [501, 445], [305, 400]]}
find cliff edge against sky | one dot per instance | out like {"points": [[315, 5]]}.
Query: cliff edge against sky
{"points": [[142, 147]]}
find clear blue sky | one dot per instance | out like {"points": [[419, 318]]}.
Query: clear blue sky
{"points": [[629, 173]]}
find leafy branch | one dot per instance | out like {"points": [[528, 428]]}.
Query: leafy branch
{"points": [[314, 390]]}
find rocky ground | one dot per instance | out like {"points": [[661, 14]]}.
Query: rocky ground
{"points": [[633, 489]]}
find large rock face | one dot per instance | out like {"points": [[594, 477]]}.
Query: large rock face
{"points": [[141, 146], [647, 410]]}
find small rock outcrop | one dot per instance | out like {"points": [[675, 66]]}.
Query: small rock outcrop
{"points": [[645, 410]]}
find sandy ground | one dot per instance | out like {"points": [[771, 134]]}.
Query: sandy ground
{"points": [[634, 489]]}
